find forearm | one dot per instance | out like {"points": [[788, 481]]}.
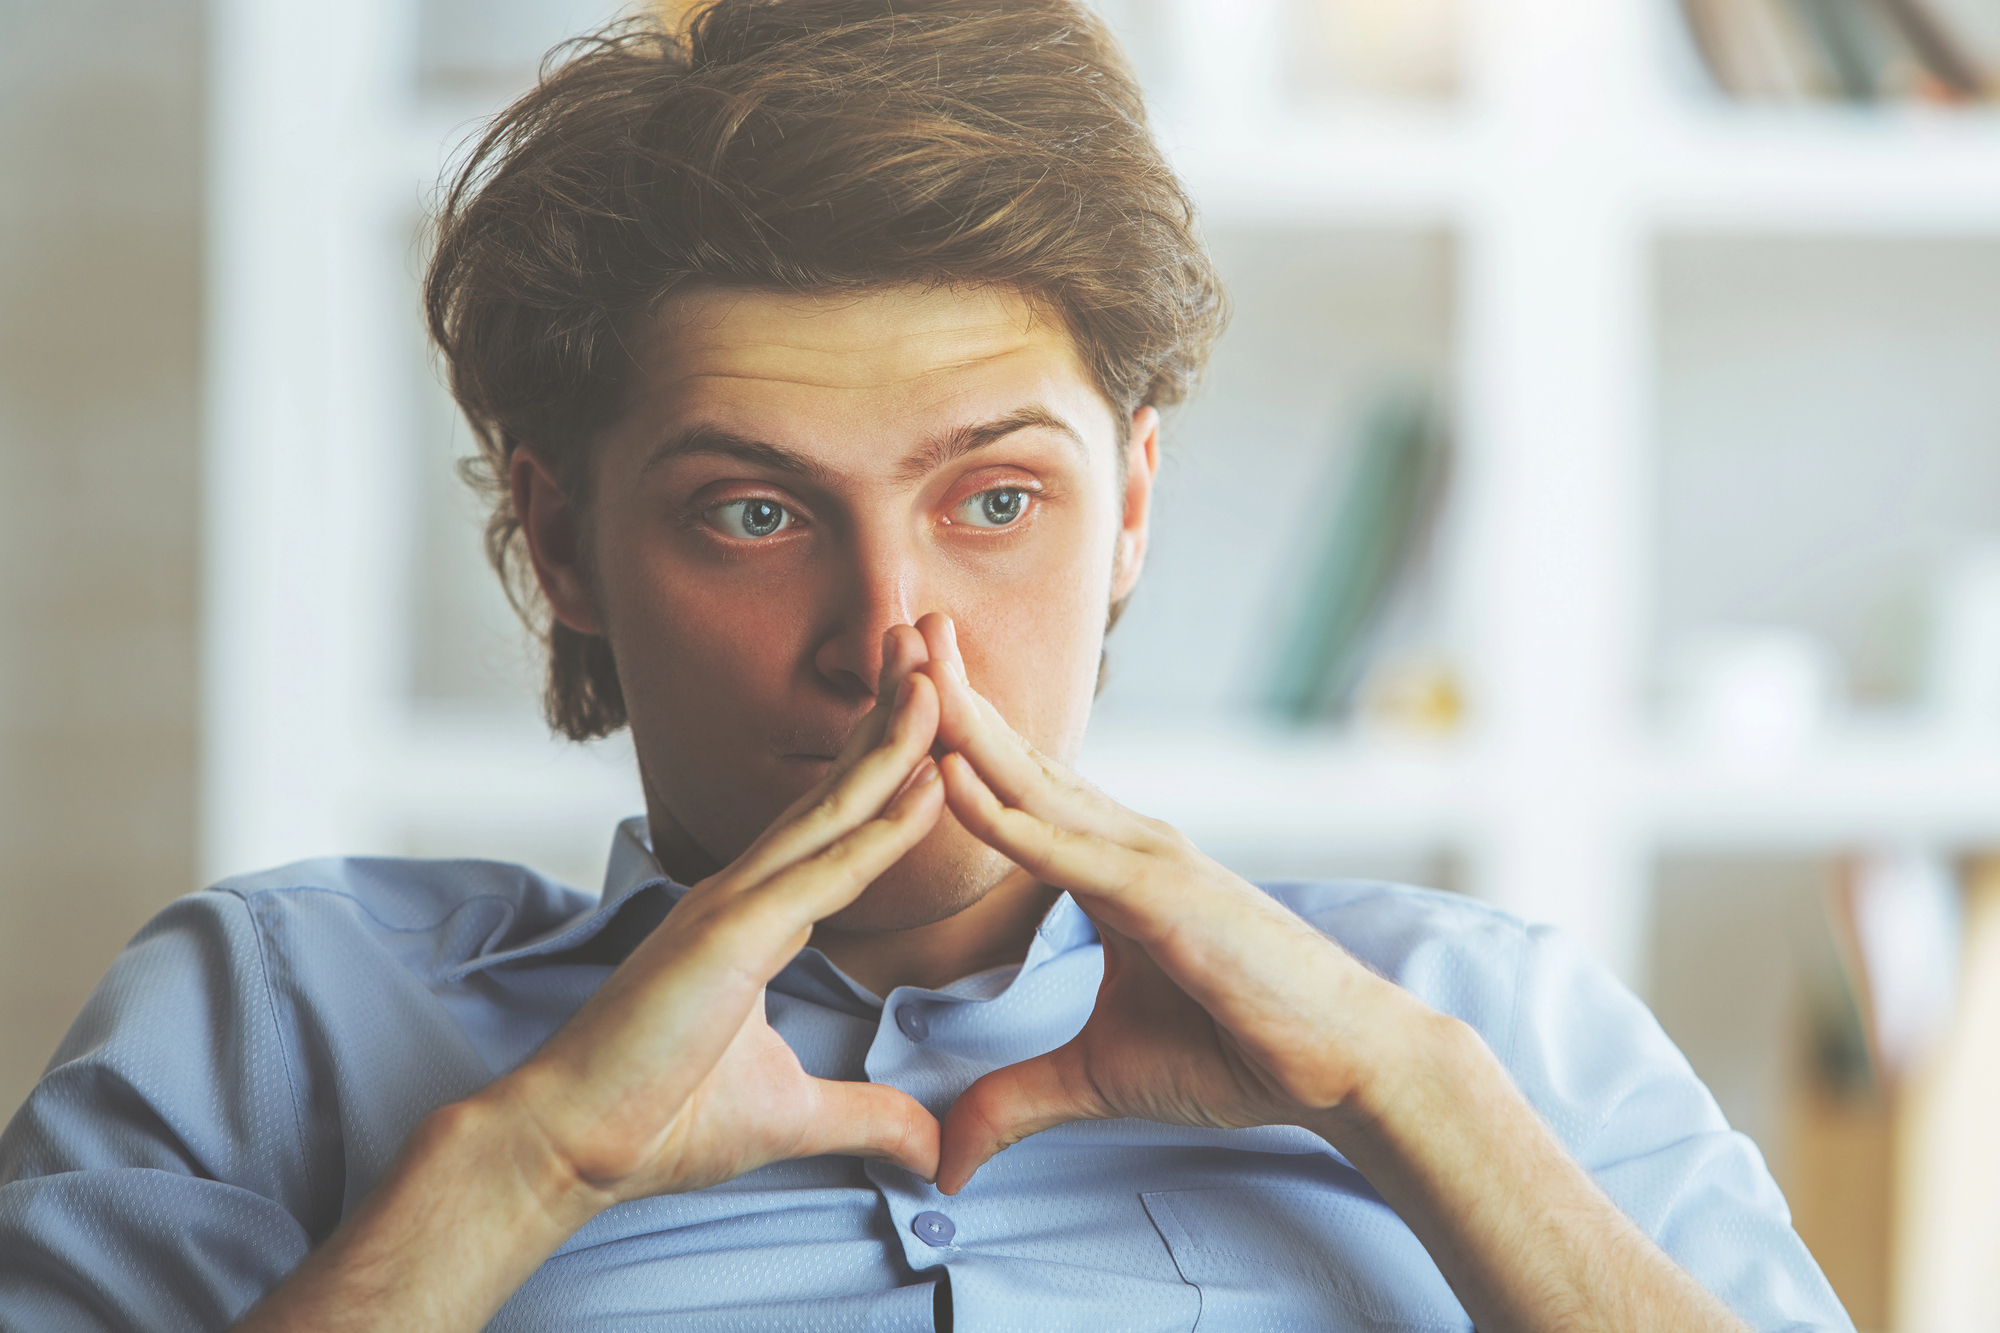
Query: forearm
{"points": [[471, 1207], [1519, 1229]]}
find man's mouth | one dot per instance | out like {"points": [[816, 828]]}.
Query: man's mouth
{"points": [[810, 744]]}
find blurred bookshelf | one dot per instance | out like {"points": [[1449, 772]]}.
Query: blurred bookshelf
{"points": [[1860, 51], [1709, 596]]}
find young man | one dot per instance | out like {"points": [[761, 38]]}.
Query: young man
{"points": [[817, 364]]}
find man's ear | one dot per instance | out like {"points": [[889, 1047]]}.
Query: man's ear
{"points": [[555, 544], [1142, 465]]}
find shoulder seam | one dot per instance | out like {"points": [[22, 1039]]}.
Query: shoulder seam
{"points": [[368, 911], [1523, 941], [277, 1028], [1373, 890]]}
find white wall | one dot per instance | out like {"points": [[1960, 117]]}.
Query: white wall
{"points": [[100, 323]]}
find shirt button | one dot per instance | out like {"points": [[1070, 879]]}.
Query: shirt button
{"points": [[933, 1229], [916, 1027]]}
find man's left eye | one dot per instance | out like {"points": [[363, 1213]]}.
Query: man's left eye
{"points": [[751, 518], [995, 508]]}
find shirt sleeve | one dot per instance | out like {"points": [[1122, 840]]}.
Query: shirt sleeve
{"points": [[1624, 1100], [156, 1177]]}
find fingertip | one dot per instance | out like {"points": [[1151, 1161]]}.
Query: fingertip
{"points": [[952, 768], [929, 708], [924, 773], [958, 715], [924, 1170], [940, 635], [955, 1176], [911, 708], [903, 650], [950, 635], [951, 1175], [888, 676], [965, 789], [922, 801], [921, 777]]}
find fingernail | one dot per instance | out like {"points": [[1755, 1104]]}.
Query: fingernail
{"points": [[918, 779]]}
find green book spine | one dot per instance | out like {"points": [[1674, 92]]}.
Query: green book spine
{"points": [[1391, 486]]}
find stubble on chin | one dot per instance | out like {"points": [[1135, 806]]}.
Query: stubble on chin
{"points": [[941, 877]]}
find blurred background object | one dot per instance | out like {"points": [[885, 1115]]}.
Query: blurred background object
{"points": [[101, 295], [1357, 49], [1856, 50], [1674, 616], [1374, 525]]}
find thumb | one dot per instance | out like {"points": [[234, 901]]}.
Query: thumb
{"points": [[1004, 1107], [870, 1120]]}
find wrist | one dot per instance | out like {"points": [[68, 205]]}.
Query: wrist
{"points": [[498, 1133], [1409, 1065], [470, 1208], [1518, 1227]]}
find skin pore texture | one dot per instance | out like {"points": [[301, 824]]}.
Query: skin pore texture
{"points": [[878, 426], [854, 557]]}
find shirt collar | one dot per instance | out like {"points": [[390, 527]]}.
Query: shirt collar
{"points": [[638, 895]]}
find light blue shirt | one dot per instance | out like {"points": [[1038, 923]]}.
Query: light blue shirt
{"points": [[255, 1058]]}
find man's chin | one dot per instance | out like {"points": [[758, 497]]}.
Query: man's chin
{"points": [[940, 877]]}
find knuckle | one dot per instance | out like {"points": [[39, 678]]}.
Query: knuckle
{"points": [[828, 808], [1142, 881], [1047, 850], [847, 851], [851, 858], [753, 922]]}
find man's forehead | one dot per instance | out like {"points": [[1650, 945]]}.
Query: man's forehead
{"points": [[886, 339]]}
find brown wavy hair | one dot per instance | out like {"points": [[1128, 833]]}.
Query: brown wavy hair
{"points": [[801, 145]]}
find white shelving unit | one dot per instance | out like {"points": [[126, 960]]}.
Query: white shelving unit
{"points": [[1567, 154]]}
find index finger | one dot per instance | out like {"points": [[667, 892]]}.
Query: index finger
{"points": [[903, 651], [846, 800], [1021, 776]]}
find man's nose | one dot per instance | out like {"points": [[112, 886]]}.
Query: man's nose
{"points": [[881, 586]]}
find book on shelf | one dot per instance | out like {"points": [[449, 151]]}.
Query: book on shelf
{"points": [[1935, 42], [1852, 50], [1388, 488]]}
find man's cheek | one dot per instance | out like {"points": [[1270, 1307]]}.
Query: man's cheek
{"points": [[1052, 671]]}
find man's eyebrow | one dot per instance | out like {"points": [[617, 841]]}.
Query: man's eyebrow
{"points": [[708, 439], [705, 439], [957, 443]]}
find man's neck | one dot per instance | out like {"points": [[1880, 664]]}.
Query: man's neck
{"points": [[992, 932]]}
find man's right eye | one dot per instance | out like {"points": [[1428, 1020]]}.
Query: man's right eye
{"points": [[751, 518]]}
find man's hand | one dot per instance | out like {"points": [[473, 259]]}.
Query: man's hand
{"points": [[1219, 1007], [667, 1079]]}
